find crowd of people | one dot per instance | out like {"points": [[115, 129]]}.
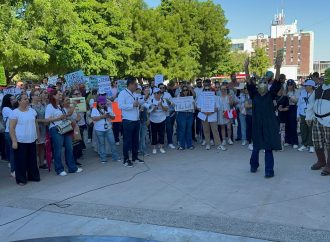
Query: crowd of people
{"points": [[39, 122]]}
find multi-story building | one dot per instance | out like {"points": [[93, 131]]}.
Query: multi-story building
{"points": [[297, 46]]}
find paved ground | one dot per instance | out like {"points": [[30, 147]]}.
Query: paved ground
{"points": [[180, 196]]}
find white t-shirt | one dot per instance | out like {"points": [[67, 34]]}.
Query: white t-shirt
{"points": [[99, 125], [52, 112], [25, 130], [158, 115], [6, 113]]}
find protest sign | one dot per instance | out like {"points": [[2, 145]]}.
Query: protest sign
{"points": [[104, 84], [91, 82], [207, 102], [79, 103], [74, 78], [159, 78], [121, 84], [13, 91], [52, 80], [183, 103], [2, 76]]}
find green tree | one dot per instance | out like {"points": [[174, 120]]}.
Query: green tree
{"points": [[259, 62], [233, 62]]}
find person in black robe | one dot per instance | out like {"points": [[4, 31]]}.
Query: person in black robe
{"points": [[265, 128]]}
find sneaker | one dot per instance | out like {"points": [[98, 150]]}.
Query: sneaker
{"points": [[154, 151], [13, 174], [295, 146], [311, 149], [79, 170], [104, 162], [171, 146], [224, 142], [139, 160], [302, 148], [212, 142], [221, 147], [250, 147], [162, 150], [128, 163], [203, 143], [207, 147], [244, 142], [89, 141], [78, 164], [230, 142], [191, 147], [117, 143], [180, 148], [286, 144], [63, 173]]}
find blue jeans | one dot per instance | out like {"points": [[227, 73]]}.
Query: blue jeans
{"points": [[169, 128], [143, 136], [184, 130], [239, 132], [101, 136], [60, 140], [9, 151], [242, 119], [131, 131], [269, 161]]}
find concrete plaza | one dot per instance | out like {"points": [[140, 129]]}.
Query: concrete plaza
{"points": [[185, 195]]}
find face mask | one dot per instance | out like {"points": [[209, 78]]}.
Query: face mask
{"points": [[262, 88]]}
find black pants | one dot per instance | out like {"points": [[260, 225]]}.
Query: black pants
{"points": [[117, 128], [26, 166], [2, 146], [82, 129], [291, 134], [90, 130], [131, 131], [157, 133], [248, 119]]}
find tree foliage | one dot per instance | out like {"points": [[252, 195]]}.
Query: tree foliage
{"points": [[259, 62], [180, 38]]}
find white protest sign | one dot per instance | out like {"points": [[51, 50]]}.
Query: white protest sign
{"points": [[74, 78], [91, 82], [52, 80], [208, 102], [121, 85], [159, 78], [104, 84], [183, 103], [13, 91]]}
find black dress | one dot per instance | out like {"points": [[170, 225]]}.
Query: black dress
{"points": [[284, 102], [265, 128]]}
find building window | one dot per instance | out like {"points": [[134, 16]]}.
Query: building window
{"points": [[237, 47]]}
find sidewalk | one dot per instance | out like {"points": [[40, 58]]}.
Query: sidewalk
{"points": [[197, 190]]}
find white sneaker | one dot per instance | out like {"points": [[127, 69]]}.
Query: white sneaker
{"points": [[171, 146], [302, 148], [286, 144], [79, 170], [162, 150], [63, 173], [230, 142], [13, 174], [207, 147], [250, 147], [221, 147], [154, 151], [295, 146], [89, 141], [117, 143], [203, 143], [211, 142], [311, 149], [244, 142], [224, 142]]}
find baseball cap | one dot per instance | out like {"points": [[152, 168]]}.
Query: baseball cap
{"points": [[290, 81], [269, 74], [309, 82]]}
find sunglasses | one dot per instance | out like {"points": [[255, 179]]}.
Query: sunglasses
{"points": [[185, 90], [207, 89], [290, 84], [157, 92]]}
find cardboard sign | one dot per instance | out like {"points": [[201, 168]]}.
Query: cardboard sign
{"points": [[121, 84], [183, 103], [116, 110], [103, 83], [13, 91], [79, 103], [207, 102], [3, 81], [74, 78], [159, 79], [52, 80]]}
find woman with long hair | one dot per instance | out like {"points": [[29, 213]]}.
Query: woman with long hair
{"points": [[24, 132], [55, 115], [7, 107], [226, 102], [291, 134]]}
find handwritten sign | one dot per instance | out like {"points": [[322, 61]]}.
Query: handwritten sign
{"points": [[13, 91], [91, 82], [2, 76], [104, 84], [74, 78], [122, 84], [207, 102], [159, 79], [79, 103], [183, 103], [52, 80]]}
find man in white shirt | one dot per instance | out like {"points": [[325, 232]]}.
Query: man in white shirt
{"points": [[129, 105]]}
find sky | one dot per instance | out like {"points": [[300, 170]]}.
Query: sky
{"points": [[250, 17]]}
